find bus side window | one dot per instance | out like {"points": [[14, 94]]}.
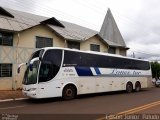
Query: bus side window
{"points": [[46, 72], [50, 65]]}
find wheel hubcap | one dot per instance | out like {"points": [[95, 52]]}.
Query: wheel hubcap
{"points": [[137, 87], [129, 88], [69, 92]]}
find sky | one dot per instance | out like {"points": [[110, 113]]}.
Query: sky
{"points": [[138, 20]]}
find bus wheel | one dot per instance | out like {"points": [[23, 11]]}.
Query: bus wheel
{"points": [[137, 86], [69, 92], [129, 87]]}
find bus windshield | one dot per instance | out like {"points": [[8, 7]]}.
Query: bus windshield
{"points": [[30, 77], [45, 69]]}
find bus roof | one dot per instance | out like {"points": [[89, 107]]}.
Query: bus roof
{"points": [[93, 52]]}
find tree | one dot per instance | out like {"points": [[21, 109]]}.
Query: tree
{"points": [[155, 66]]}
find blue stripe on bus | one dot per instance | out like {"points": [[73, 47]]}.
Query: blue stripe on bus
{"points": [[84, 71], [97, 70]]}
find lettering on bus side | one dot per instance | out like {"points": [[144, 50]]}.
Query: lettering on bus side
{"points": [[120, 72], [124, 72], [69, 72], [136, 73]]}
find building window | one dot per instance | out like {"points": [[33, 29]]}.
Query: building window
{"points": [[112, 50], [94, 47], [43, 42], [122, 52], [6, 39], [5, 70], [74, 45]]}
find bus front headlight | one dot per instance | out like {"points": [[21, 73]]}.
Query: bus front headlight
{"points": [[32, 89]]}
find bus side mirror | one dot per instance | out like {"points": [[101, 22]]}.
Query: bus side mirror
{"points": [[40, 58], [19, 67], [31, 63], [31, 67], [18, 70]]}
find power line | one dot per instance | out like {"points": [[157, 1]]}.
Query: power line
{"points": [[141, 52], [66, 15], [52, 11], [123, 19]]}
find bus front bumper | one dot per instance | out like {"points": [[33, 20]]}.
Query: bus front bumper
{"points": [[30, 94]]}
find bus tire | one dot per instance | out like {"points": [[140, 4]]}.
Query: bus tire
{"points": [[129, 87], [137, 86], [69, 92]]}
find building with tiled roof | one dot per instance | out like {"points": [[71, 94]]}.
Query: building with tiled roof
{"points": [[22, 33]]}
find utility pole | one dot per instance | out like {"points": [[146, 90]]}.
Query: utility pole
{"points": [[134, 55]]}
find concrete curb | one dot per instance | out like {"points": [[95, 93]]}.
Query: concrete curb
{"points": [[14, 99]]}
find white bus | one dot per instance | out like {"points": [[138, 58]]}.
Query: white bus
{"points": [[62, 72]]}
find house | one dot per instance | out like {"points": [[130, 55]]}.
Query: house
{"points": [[22, 33]]}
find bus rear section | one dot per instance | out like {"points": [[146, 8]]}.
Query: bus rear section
{"points": [[98, 72]]}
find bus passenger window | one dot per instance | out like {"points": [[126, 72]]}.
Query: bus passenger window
{"points": [[50, 65], [46, 72]]}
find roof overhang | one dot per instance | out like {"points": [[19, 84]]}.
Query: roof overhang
{"points": [[53, 21], [121, 47], [6, 30], [112, 44], [5, 13]]}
